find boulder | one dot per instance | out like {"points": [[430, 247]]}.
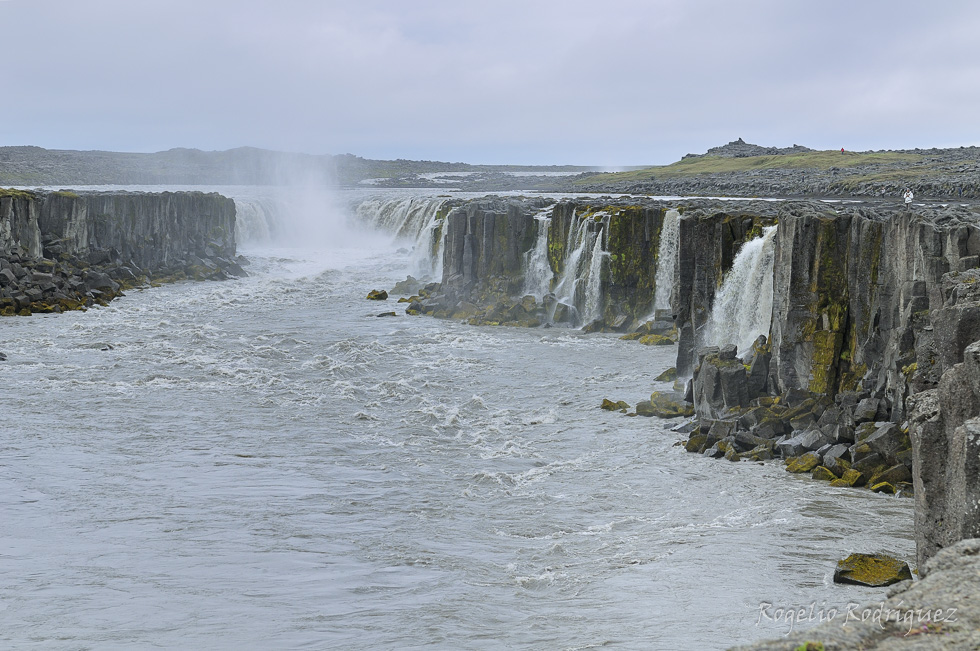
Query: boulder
{"points": [[656, 340], [866, 410], [609, 405], [888, 440], [564, 314], [897, 474], [849, 478], [823, 474], [377, 295], [872, 570], [719, 385], [803, 463], [664, 406], [837, 466], [835, 451]]}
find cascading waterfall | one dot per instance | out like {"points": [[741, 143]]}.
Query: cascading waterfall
{"points": [[667, 255], [578, 240], [413, 219], [403, 218], [537, 270], [743, 305], [257, 220], [592, 309], [584, 263]]}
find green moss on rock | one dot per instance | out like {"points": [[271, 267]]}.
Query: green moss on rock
{"points": [[872, 570]]}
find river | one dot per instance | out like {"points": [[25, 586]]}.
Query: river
{"points": [[265, 463]]}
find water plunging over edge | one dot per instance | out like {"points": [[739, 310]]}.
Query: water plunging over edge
{"points": [[667, 257], [743, 305], [538, 275]]}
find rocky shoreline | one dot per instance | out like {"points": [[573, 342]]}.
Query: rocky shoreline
{"points": [[64, 251]]}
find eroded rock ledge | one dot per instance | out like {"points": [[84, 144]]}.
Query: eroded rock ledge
{"points": [[65, 250]]}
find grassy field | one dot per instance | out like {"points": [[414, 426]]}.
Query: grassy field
{"points": [[815, 160]]}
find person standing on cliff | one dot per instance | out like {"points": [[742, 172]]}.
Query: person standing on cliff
{"points": [[908, 198]]}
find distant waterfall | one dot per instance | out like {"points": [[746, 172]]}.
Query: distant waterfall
{"points": [[743, 305], [537, 270], [667, 258], [414, 219]]}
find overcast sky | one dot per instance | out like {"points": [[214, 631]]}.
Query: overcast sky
{"points": [[606, 82]]}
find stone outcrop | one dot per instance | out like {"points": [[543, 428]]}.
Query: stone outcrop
{"points": [[946, 451], [65, 250]]}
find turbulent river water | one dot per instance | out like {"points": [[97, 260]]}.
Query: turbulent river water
{"points": [[264, 463]]}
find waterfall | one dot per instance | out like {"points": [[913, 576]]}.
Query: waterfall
{"points": [[415, 219], [593, 283], [583, 262], [743, 305], [258, 220], [667, 259], [403, 218], [537, 270]]}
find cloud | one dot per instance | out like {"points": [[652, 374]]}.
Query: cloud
{"points": [[618, 82]]}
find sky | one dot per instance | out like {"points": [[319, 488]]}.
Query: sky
{"points": [[597, 82]]}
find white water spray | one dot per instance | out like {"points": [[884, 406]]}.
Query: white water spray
{"points": [[667, 258], [743, 305], [537, 270]]}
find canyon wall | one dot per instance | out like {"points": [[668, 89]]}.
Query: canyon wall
{"points": [[65, 250]]}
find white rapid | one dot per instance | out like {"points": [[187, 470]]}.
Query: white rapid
{"points": [[743, 305], [537, 270], [667, 256], [584, 263]]}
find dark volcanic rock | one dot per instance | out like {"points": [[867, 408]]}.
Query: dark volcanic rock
{"points": [[100, 243]]}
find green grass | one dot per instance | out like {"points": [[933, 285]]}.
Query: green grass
{"points": [[820, 160], [16, 194]]}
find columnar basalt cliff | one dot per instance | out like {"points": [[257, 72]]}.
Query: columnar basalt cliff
{"points": [[872, 309], [64, 250]]}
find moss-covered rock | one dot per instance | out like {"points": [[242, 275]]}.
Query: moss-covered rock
{"points": [[873, 570], [696, 442], [377, 295], [664, 406], [656, 340], [848, 479], [823, 474], [619, 405], [803, 463], [667, 376]]}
